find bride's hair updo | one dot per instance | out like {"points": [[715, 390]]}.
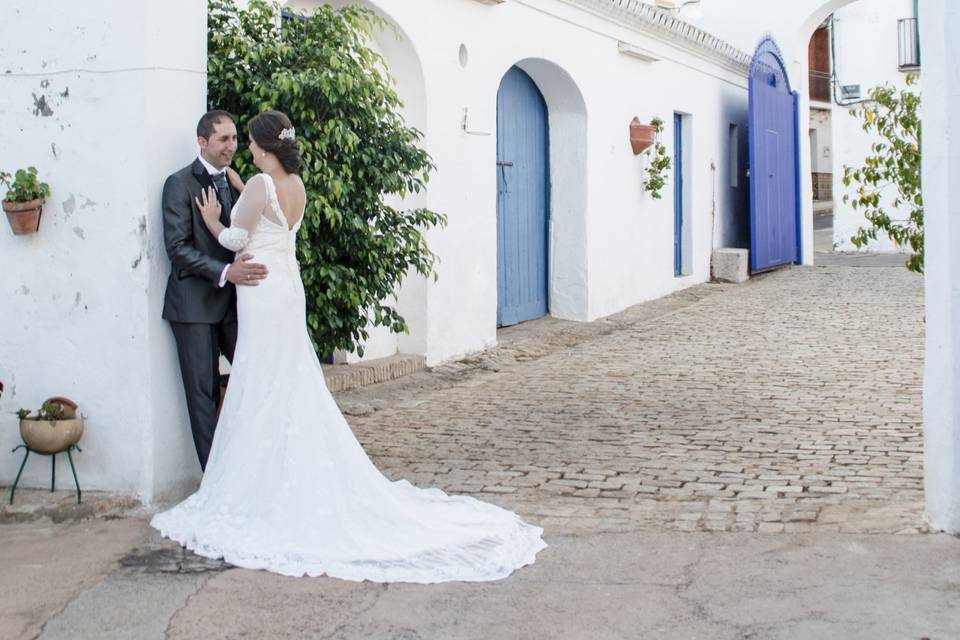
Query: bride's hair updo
{"points": [[273, 132]]}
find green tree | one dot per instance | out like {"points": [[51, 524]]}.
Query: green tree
{"points": [[894, 163], [354, 249]]}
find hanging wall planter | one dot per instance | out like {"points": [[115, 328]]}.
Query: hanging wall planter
{"points": [[23, 203], [24, 217], [642, 136]]}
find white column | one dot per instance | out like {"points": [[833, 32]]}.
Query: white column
{"points": [[940, 42], [104, 101]]}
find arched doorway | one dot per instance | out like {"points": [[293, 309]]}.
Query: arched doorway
{"points": [[523, 200], [566, 184]]}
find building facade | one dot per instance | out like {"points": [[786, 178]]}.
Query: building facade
{"points": [[104, 102]]}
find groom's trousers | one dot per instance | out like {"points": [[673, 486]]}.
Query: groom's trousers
{"points": [[199, 346]]}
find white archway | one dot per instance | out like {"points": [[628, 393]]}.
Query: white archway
{"points": [[799, 70], [567, 113]]}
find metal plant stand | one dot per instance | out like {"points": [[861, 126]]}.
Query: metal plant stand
{"points": [[53, 468]]}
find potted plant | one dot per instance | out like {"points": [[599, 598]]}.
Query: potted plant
{"points": [[642, 136], [24, 200], [55, 427]]}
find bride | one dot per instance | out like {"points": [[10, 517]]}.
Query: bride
{"points": [[287, 487]]}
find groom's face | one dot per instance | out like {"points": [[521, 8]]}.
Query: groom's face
{"points": [[220, 148]]}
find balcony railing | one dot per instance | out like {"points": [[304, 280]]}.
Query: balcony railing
{"points": [[909, 44], [820, 82]]}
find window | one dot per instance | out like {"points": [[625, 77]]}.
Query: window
{"points": [[909, 36]]}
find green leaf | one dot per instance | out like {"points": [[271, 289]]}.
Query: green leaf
{"points": [[354, 251]]}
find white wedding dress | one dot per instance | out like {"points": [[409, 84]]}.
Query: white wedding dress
{"points": [[288, 488]]}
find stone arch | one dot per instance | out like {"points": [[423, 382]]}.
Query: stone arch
{"points": [[567, 114], [799, 72]]}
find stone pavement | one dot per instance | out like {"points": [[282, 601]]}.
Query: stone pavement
{"points": [[791, 403], [729, 462]]}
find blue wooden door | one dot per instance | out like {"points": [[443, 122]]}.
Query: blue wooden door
{"points": [[774, 163], [677, 194], [522, 200]]}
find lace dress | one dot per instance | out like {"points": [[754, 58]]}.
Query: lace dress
{"points": [[288, 488]]}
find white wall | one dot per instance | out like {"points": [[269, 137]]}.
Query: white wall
{"points": [[867, 54], [940, 43], [124, 85], [821, 153]]}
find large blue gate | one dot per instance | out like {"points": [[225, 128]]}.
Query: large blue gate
{"points": [[522, 200], [774, 162]]}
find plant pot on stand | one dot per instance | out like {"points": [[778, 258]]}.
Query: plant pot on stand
{"points": [[55, 429]]}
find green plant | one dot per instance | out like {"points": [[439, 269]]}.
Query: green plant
{"points": [[659, 164], [894, 162], [354, 248], [50, 410], [24, 186]]}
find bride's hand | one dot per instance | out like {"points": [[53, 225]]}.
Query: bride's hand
{"points": [[209, 206], [235, 179]]}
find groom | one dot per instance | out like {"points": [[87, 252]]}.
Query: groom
{"points": [[200, 301]]}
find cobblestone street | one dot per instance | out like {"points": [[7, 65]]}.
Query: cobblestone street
{"points": [[730, 462], [791, 403]]}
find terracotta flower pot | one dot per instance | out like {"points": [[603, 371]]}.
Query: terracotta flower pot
{"points": [[24, 217], [50, 436], [642, 136]]}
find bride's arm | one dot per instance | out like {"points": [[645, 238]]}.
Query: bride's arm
{"points": [[244, 218]]}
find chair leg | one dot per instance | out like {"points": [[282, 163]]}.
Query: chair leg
{"points": [[26, 455], [70, 457]]}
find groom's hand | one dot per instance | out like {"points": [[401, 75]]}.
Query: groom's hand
{"points": [[245, 272]]}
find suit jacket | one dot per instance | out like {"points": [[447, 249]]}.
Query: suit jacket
{"points": [[197, 259]]}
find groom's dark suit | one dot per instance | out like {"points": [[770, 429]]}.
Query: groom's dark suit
{"points": [[203, 314]]}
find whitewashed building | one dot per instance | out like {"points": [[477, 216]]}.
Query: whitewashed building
{"points": [[607, 245], [861, 46], [742, 22], [103, 100], [868, 43]]}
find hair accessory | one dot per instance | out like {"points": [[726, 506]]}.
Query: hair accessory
{"points": [[287, 134]]}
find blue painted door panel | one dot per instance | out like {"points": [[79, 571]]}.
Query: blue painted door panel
{"points": [[774, 163], [677, 194], [522, 200]]}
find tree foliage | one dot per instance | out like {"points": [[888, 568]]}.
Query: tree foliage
{"points": [[354, 249], [659, 165], [893, 165]]}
